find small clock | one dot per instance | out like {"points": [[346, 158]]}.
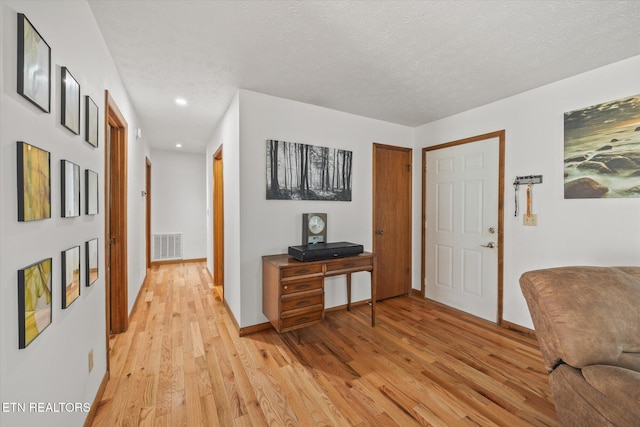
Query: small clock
{"points": [[314, 228]]}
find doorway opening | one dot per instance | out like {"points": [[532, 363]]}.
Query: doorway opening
{"points": [[218, 225], [116, 277], [463, 224]]}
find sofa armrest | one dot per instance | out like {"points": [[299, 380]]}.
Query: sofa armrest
{"points": [[585, 315]]}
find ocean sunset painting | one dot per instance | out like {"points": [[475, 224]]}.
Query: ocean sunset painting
{"points": [[602, 150]]}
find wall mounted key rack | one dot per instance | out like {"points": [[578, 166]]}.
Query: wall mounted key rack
{"points": [[529, 180]]}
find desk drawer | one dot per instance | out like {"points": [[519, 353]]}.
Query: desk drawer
{"points": [[301, 320], [301, 270], [348, 264], [301, 300], [301, 285]]}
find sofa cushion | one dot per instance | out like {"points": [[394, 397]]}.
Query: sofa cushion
{"points": [[579, 404], [620, 384], [586, 315]]}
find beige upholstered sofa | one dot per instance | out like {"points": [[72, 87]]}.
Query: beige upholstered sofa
{"points": [[587, 320]]}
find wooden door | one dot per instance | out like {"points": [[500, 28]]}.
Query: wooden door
{"points": [[392, 219], [463, 225]]}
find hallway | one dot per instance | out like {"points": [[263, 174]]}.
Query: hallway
{"points": [[182, 363]]}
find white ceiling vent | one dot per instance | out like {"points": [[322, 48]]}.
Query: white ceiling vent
{"points": [[167, 246]]}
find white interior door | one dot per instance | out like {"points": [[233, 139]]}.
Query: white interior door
{"points": [[462, 227]]}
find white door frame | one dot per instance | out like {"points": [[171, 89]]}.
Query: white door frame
{"points": [[501, 137]]}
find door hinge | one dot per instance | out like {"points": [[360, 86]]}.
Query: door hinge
{"points": [[408, 167]]}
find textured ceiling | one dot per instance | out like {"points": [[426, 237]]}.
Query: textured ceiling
{"points": [[404, 62]]}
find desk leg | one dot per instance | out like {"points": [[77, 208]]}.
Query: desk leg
{"points": [[373, 294], [348, 291]]}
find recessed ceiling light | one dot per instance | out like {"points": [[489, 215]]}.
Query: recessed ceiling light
{"points": [[181, 102], [178, 145]]}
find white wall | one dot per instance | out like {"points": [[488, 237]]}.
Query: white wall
{"points": [[594, 232], [227, 136], [271, 226], [54, 367], [138, 151], [569, 232], [178, 199]]}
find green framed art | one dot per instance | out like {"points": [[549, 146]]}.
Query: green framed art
{"points": [[34, 301], [34, 182]]}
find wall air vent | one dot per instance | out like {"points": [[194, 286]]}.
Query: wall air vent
{"points": [[167, 246]]}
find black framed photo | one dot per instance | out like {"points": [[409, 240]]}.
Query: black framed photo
{"points": [[70, 275], [70, 188], [34, 301], [91, 192], [34, 65], [323, 173], [70, 101], [91, 261], [34, 182], [91, 121]]}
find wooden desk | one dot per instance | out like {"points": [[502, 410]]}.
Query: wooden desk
{"points": [[293, 291]]}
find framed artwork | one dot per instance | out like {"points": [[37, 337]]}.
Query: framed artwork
{"points": [[34, 65], [70, 189], [34, 182], [602, 150], [307, 172], [70, 275], [91, 192], [91, 121], [91, 261], [70, 102], [34, 301]]}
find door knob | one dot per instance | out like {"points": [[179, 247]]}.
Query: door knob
{"points": [[379, 232], [489, 245]]}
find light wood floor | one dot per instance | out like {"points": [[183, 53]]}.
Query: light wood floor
{"points": [[181, 363]]}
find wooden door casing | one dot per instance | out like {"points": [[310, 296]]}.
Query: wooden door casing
{"points": [[392, 219], [147, 221], [116, 219], [218, 221]]}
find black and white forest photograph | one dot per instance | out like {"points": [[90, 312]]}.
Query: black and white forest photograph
{"points": [[307, 172]]}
